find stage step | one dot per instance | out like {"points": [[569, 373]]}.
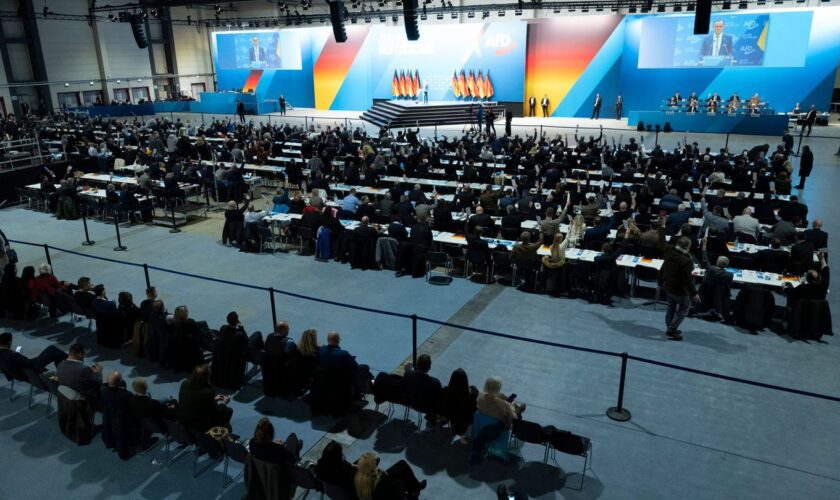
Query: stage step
{"points": [[397, 114]]}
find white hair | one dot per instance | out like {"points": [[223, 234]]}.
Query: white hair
{"points": [[493, 385]]}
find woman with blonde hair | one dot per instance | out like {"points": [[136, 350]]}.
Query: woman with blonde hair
{"points": [[308, 360], [553, 263], [372, 483], [494, 404], [576, 230]]}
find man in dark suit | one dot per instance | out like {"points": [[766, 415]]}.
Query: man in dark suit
{"points": [[480, 219], [716, 289], [199, 407], [793, 209], [397, 230], [801, 255], [596, 107], [422, 389], [508, 122], [87, 380], [144, 406], [532, 106], [716, 43], [256, 53], [421, 233], [619, 104], [13, 362], [240, 110], [814, 288], [282, 105], [773, 259], [544, 103], [333, 356], [511, 220], [810, 118], [816, 235]]}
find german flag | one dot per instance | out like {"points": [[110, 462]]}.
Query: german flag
{"points": [[416, 82], [479, 85], [471, 84], [395, 85], [488, 86], [462, 84], [455, 90], [403, 92]]}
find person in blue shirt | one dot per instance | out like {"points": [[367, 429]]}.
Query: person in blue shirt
{"points": [[351, 202], [333, 356]]}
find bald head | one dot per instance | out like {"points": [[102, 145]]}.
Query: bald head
{"points": [[817, 224], [115, 379], [333, 338], [479, 210]]}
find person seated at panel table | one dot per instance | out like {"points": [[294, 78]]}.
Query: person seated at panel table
{"points": [[732, 107], [712, 106], [692, 104]]}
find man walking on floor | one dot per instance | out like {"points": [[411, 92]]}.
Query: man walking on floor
{"points": [[677, 280]]}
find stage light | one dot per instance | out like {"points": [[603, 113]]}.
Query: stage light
{"points": [[440, 16], [678, 8], [353, 20], [557, 10], [91, 83], [381, 18], [485, 14], [67, 84], [517, 12], [599, 9], [471, 14], [423, 17], [632, 9], [219, 8], [454, 15], [742, 5], [585, 10], [395, 19], [761, 2], [382, 3], [112, 18], [367, 19], [501, 13], [660, 8], [690, 7], [726, 5]]}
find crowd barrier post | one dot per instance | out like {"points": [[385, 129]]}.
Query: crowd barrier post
{"points": [[174, 224], [273, 308], [618, 412], [87, 241], [146, 272], [541, 132], [413, 340], [119, 247], [726, 146], [306, 122], [202, 117], [47, 253], [801, 133]]}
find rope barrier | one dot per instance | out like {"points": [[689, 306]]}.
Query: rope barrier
{"points": [[482, 331]]}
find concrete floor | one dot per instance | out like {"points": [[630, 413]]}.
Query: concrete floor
{"points": [[690, 436]]}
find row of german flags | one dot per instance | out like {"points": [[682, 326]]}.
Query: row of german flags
{"points": [[405, 85], [472, 85]]}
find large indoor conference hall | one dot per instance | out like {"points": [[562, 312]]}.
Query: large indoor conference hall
{"points": [[419, 249]]}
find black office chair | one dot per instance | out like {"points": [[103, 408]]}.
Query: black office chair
{"points": [[502, 267], [305, 235], [571, 444], [38, 382], [181, 435], [305, 479], [207, 445]]}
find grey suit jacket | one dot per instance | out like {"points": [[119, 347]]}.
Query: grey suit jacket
{"points": [[77, 376]]}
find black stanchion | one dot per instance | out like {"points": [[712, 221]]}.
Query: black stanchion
{"points": [[119, 247], [413, 340], [726, 146], [146, 272], [87, 241], [618, 412], [801, 133], [273, 308], [47, 253]]}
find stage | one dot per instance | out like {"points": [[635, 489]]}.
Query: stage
{"points": [[402, 113], [719, 123]]}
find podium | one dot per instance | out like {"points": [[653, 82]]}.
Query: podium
{"points": [[717, 61]]}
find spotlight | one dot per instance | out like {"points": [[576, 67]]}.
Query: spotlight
{"points": [[440, 16], [381, 18], [485, 14], [423, 16], [454, 15], [118, 80], [112, 18], [690, 7], [219, 8], [742, 5], [471, 14], [660, 8], [632, 9], [91, 83], [517, 12], [585, 10], [395, 19], [678, 8], [382, 3], [367, 19], [501, 13], [726, 5], [557, 10], [66, 84], [599, 9], [353, 20], [571, 9]]}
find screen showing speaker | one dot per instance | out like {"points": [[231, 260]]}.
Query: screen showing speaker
{"points": [[734, 41], [259, 50]]}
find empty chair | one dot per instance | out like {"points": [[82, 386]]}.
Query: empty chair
{"points": [[38, 382], [645, 274], [305, 479], [237, 452], [530, 432], [501, 266], [207, 445], [267, 480], [435, 260], [571, 444], [180, 435], [304, 235]]}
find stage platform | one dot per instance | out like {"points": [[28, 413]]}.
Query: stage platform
{"points": [[410, 113], [719, 123]]}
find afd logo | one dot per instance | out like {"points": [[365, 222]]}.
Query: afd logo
{"points": [[500, 43], [747, 49], [750, 25]]}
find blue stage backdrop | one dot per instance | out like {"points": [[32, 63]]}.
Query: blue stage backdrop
{"points": [[786, 56]]}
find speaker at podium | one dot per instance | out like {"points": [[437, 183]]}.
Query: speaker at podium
{"points": [[717, 61]]}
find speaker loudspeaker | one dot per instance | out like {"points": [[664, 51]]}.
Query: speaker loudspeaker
{"points": [[337, 20], [138, 29], [702, 17], [412, 30]]}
